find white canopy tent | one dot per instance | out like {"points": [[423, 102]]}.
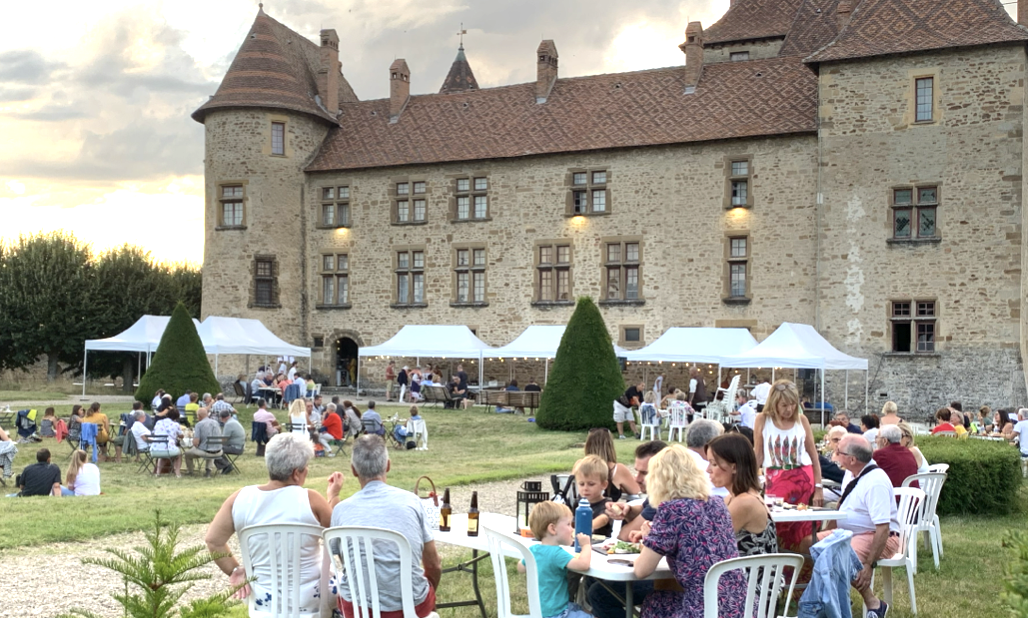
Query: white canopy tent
{"points": [[430, 341], [801, 346], [695, 345], [538, 341]]}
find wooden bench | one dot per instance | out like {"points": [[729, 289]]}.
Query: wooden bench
{"points": [[435, 394], [519, 400]]}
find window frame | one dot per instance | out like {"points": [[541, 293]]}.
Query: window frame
{"points": [[222, 200], [916, 207], [623, 336], [475, 272], [472, 194], [727, 294], [917, 99], [278, 123], [623, 265], [739, 56], [914, 320], [411, 270], [553, 270], [591, 190], [270, 279], [410, 197], [731, 178], [336, 202], [337, 274]]}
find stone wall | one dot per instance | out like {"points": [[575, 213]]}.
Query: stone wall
{"points": [[758, 50]]}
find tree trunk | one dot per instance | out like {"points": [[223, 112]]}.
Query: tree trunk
{"points": [[127, 370], [52, 367]]}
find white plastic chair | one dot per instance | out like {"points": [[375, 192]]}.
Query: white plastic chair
{"points": [[719, 411], [497, 541], [353, 553], [652, 425], [417, 430], [765, 583], [678, 420], [943, 468], [931, 484], [909, 514], [284, 542]]}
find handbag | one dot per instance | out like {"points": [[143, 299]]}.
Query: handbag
{"points": [[430, 504]]}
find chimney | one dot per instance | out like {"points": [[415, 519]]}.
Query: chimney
{"points": [[328, 75], [399, 88], [546, 70], [1022, 12], [842, 15], [693, 48]]}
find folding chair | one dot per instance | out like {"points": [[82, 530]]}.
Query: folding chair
{"points": [[340, 446], [149, 461]]}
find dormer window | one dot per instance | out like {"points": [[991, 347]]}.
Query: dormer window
{"points": [[739, 56]]}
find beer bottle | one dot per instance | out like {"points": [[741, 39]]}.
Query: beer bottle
{"points": [[473, 515], [444, 512]]}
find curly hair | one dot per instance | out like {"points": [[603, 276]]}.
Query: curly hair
{"points": [[674, 474], [783, 391]]}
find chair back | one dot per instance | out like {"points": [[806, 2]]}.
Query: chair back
{"points": [[940, 467], [418, 431], [733, 388], [931, 484], [291, 393], [353, 561], [909, 514], [497, 541], [284, 551], [765, 581], [372, 425], [240, 391], [677, 411], [259, 432]]}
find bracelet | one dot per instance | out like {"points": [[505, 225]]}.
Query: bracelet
{"points": [[819, 486], [238, 566]]}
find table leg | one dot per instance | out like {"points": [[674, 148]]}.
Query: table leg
{"points": [[629, 603], [474, 581], [463, 567]]}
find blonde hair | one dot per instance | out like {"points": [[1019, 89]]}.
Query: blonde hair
{"points": [[679, 394], [648, 397], [674, 474], [544, 514], [782, 391], [591, 467], [907, 431], [889, 408], [78, 459], [298, 408]]}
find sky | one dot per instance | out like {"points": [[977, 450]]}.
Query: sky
{"points": [[95, 97]]}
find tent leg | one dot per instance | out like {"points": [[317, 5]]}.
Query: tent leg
{"points": [[215, 366], [481, 371], [546, 371], [846, 397], [747, 375], [85, 359], [139, 365], [772, 375], [865, 390], [822, 398], [358, 384]]}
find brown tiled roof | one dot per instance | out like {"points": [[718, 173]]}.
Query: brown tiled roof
{"points": [[460, 77], [747, 20], [733, 99], [275, 67], [881, 27], [815, 26]]}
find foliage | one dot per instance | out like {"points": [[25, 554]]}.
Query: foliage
{"points": [[585, 378], [1015, 583], [180, 364], [161, 574], [984, 476]]}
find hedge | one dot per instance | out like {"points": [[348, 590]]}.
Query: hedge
{"points": [[180, 364], [984, 476]]}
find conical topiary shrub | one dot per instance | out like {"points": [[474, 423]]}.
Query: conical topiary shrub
{"points": [[180, 364], [585, 378]]}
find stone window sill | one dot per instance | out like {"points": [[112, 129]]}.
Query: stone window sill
{"points": [[222, 228], [408, 306], [545, 304], [263, 306], [322, 226], [410, 222], [913, 355], [618, 302], [734, 206], [320, 307], [471, 304], [934, 240], [471, 220], [736, 300], [605, 213]]}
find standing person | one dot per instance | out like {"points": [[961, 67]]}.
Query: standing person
{"points": [[733, 466], [390, 379], [463, 377], [760, 393], [890, 414], [697, 390], [553, 525], [402, 379], [658, 384], [41, 478], [623, 408], [83, 478], [784, 443], [747, 410]]}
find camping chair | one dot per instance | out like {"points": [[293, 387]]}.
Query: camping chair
{"points": [[765, 576], [931, 484], [352, 549], [26, 423], [909, 514], [499, 545], [282, 544], [340, 446], [678, 420], [417, 430], [88, 438], [150, 459]]}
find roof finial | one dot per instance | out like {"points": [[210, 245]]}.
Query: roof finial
{"points": [[461, 34]]}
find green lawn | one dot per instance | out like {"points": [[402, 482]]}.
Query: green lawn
{"points": [[466, 447], [6, 396]]}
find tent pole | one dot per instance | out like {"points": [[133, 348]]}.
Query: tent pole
{"points": [[85, 359], [139, 365], [865, 390], [846, 397], [822, 397], [481, 371], [747, 375], [358, 384], [215, 366], [772, 375], [546, 371]]}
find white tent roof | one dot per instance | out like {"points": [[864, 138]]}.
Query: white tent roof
{"points": [[269, 342], [796, 345], [430, 341], [243, 336], [696, 345], [143, 336], [537, 341]]}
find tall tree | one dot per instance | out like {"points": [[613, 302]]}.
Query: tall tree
{"points": [[585, 378], [180, 364], [45, 299]]}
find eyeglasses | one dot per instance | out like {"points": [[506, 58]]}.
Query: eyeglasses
{"points": [[843, 453]]}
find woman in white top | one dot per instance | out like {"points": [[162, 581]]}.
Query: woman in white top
{"points": [[784, 443], [83, 477], [298, 420], [168, 426], [282, 500], [908, 441]]}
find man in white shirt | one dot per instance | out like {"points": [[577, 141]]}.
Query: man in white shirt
{"points": [[870, 505], [700, 433], [760, 393], [1021, 431], [140, 432], [747, 410]]}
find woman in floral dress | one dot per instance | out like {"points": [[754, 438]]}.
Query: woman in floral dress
{"points": [[694, 531]]}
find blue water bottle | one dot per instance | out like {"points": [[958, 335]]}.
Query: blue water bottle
{"points": [[583, 521]]}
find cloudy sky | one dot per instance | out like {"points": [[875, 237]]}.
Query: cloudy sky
{"points": [[95, 97]]}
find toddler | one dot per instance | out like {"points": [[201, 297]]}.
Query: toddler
{"points": [[551, 523], [591, 474]]}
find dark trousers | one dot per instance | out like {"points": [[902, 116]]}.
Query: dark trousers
{"points": [[606, 605], [222, 463]]}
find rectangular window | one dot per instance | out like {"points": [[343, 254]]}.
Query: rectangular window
{"points": [[463, 207], [403, 211], [481, 207], [631, 336], [481, 184], [588, 193], [579, 178], [419, 187], [925, 88], [335, 279], [622, 270], [469, 269], [599, 201], [265, 284], [913, 326], [472, 199], [335, 206], [231, 206], [402, 188], [410, 277], [914, 213], [278, 138], [463, 184], [739, 56], [419, 210], [738, 190], [738, 267], [553, 272]]}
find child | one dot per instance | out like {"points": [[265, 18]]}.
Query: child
{"points": [[648, 411], [551, 523], [400, 434], [591, 474], [46, 426]]}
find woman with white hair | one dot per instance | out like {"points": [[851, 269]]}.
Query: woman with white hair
{"points": [[282, 500]]}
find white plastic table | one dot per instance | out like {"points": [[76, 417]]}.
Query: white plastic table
{"points": [[780, 516]]}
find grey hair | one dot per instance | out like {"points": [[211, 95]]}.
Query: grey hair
{"points": [[139, 414], [370, 457], [837, 429], [205, 397], [330, 407], [891, 433], [858, 447], [702, 431], [1022, 413], [286, 453]]}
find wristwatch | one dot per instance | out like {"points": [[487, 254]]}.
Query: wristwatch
{"points": [[819, 485]]}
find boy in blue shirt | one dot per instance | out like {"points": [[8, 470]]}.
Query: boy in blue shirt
{"points": [[552, 524]]}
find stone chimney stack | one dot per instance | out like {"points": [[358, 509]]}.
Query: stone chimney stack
{"points": [[842, 15], [399, 88], [328, 75], [546, 70], [693, 48], [1022, 12]]}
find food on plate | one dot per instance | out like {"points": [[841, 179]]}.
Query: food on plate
{"points": [[622, 547], [599, 538]]}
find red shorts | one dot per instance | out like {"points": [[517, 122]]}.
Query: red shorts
{"points": [[422, 609]]}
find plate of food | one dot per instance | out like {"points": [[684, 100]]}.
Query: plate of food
{"points": [[613, 546]]}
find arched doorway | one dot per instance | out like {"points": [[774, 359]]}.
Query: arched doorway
{"points": [[346, 362]]}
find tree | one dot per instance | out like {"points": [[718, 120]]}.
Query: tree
{"points": [[585, 378], [44, 307], [180, 364]]}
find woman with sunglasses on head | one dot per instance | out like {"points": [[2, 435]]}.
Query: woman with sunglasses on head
{"points": [[784, 446]]}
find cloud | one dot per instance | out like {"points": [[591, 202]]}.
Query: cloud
{"points": [[26, 66], [16, 94]]}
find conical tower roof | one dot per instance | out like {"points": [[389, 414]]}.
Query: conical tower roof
{"points": [[460, 78], [271, 70]]}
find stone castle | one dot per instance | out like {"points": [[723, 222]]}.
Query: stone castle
{"points": [[851, 164]]}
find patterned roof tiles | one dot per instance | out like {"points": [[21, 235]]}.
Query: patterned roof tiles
{"points": [[747, 20], [460, 77], [815, 26]]}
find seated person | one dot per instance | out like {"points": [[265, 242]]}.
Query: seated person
{"points": [[371, 421], [140, 432], [158, 397], [75, 423], [512, 387], [869, 425], [1020, 432], [192, 406], [310, 386], [553, 525], [844, 419], [170, 428], [235, 441], [456, 392], [331, 428], [83, 477], [591, 478], [183, 401], [383, 506], [201, 448], [400, 434], [747, 410], [733, 466], [893, 457], [829, 469], [351, 419], [648, 410], [46, 426], [263, 416], [103, 427], [620, 479], [1003, 426], [532, 386], [41, 478], [949, 421], [8, 449]]}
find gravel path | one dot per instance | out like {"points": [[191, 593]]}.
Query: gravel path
{"points": [[59, 564]]}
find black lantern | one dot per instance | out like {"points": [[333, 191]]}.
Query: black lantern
{"points": [[531, 493]]}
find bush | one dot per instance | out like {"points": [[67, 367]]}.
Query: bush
{"points": [[180, 364], [984, 476], [585, 378], [1015, 583]]}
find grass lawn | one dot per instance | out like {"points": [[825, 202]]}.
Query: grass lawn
{"points": [[466, 447], [32, 396]]}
